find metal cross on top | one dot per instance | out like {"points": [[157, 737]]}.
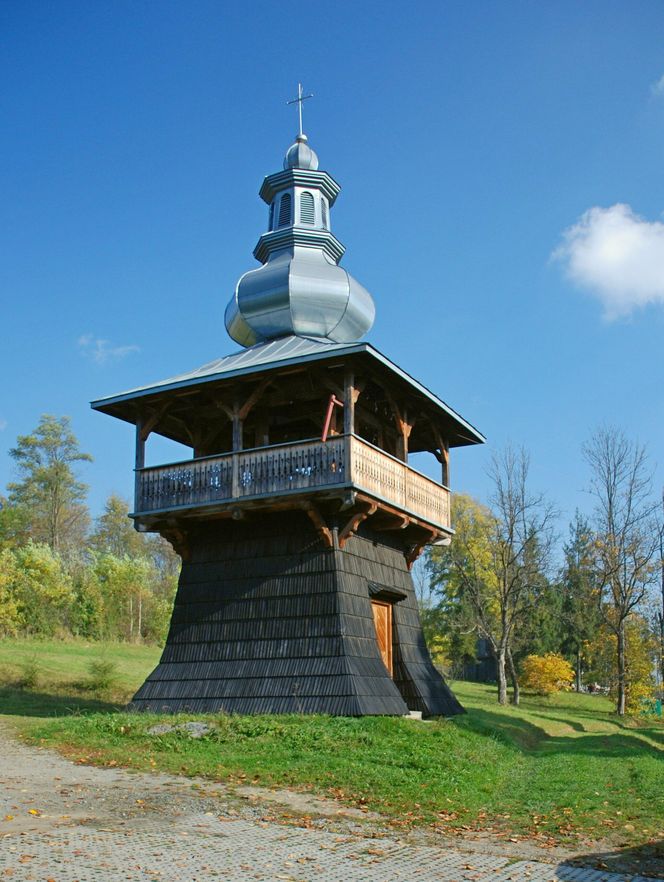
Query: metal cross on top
{"points": [[300, 98]]}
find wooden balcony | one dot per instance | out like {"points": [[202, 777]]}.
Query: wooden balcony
{"points": [[342, 463]]}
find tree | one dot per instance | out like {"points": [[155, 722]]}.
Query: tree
{"points": [[48, 489], [493, 573], [40, 587], [580, 612], [626, 537], [14, 524], [639, 657], [521, 547], [115, 533]]}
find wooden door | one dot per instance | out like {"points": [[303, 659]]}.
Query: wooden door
{"points": [[382, 615]]}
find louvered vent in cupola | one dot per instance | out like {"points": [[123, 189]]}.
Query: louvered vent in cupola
{"points": [[285, 210], [323, 208], [307, 214], [271, 223]]}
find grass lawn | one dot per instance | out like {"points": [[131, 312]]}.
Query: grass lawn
{"points": [[559, 769]]}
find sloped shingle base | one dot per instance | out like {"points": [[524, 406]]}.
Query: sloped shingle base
{"points": [[269, 620]]}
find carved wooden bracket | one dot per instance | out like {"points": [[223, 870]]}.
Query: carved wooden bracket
{"points": [[322, 529], [179, 540], [354, 522], [418, 547], [148, 424]]}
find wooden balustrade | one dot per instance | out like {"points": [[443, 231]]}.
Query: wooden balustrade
{"points": [[280, 470]]}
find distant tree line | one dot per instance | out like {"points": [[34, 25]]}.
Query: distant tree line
{"points": [[63, 574], [601, 607]]}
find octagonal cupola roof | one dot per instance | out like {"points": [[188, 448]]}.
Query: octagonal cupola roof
{"points": [[299, 289]]}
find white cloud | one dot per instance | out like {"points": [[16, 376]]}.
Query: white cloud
{"points": [[657, 89], [617, 256], [101, 351], [3, 425]]}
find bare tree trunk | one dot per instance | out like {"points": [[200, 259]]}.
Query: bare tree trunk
{"points": [[620, 705], [516, 691], [502, 679], [661, 585], [579, 684], [139, 633], [131, 618]]}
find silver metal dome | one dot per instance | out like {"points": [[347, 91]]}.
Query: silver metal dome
{"points": [[300, 155], [300, 289]]}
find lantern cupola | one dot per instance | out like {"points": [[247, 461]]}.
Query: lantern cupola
{"points": [[300, 289]]}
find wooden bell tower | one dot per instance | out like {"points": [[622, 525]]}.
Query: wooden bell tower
{"points": [[297, 515]]}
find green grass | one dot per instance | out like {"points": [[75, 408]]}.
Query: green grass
{"points": [[561, 768]]}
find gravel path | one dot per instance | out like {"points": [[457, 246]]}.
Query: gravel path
{"points": [[64, 822]]}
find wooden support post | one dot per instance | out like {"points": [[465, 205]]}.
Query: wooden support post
{"points": [[442, 455], [350, 397], [139, 463], [404, 428], [445, 451]]}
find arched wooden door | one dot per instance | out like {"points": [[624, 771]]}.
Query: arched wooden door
{"points": [[382, 615]]}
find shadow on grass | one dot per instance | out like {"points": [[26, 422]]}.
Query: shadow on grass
{"points": [[645, 860], [572, 724], [531, 738], [27, 703], [510, 729]]}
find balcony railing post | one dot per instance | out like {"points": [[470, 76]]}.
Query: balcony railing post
{"points": [[235, 476]]}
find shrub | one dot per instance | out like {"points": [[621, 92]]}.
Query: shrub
{"points": [[547, 674], [102, 673], [29, 673]]}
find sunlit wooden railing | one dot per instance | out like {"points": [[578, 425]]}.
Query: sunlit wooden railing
{"points": [[284, 469], [381, 475]]}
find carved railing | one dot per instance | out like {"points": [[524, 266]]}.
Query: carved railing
{"points": [[292, 468], [263, 471], [381, 475]]}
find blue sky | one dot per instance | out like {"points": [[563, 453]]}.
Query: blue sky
{"points": [[467, 138]]}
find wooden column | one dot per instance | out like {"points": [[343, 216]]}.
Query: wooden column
{"points": [[445, 455], [442, 455], [139, 462], [350, 397]]}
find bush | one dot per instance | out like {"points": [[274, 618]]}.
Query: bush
{"points": [[547, 674], [29, 673], [102, 674]]}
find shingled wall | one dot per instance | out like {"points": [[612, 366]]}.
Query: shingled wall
{"points": [[267, 619]]}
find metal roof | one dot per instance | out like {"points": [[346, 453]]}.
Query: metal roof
{"points": [[281, 353]]}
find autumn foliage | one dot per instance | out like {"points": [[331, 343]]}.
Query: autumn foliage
{"points": [[547, 674]]}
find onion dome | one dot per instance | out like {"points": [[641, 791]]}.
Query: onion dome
{"points": [[300, 155], [299, 289]]}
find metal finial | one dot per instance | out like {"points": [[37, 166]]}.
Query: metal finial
{"points": [[300, 98]]}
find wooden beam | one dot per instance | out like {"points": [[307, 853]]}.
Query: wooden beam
{"points": [[323, 379], [417, 548], [150, 421], [396, 522], [318, 521], [253, 398], [178, 539], [354, 522]]}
